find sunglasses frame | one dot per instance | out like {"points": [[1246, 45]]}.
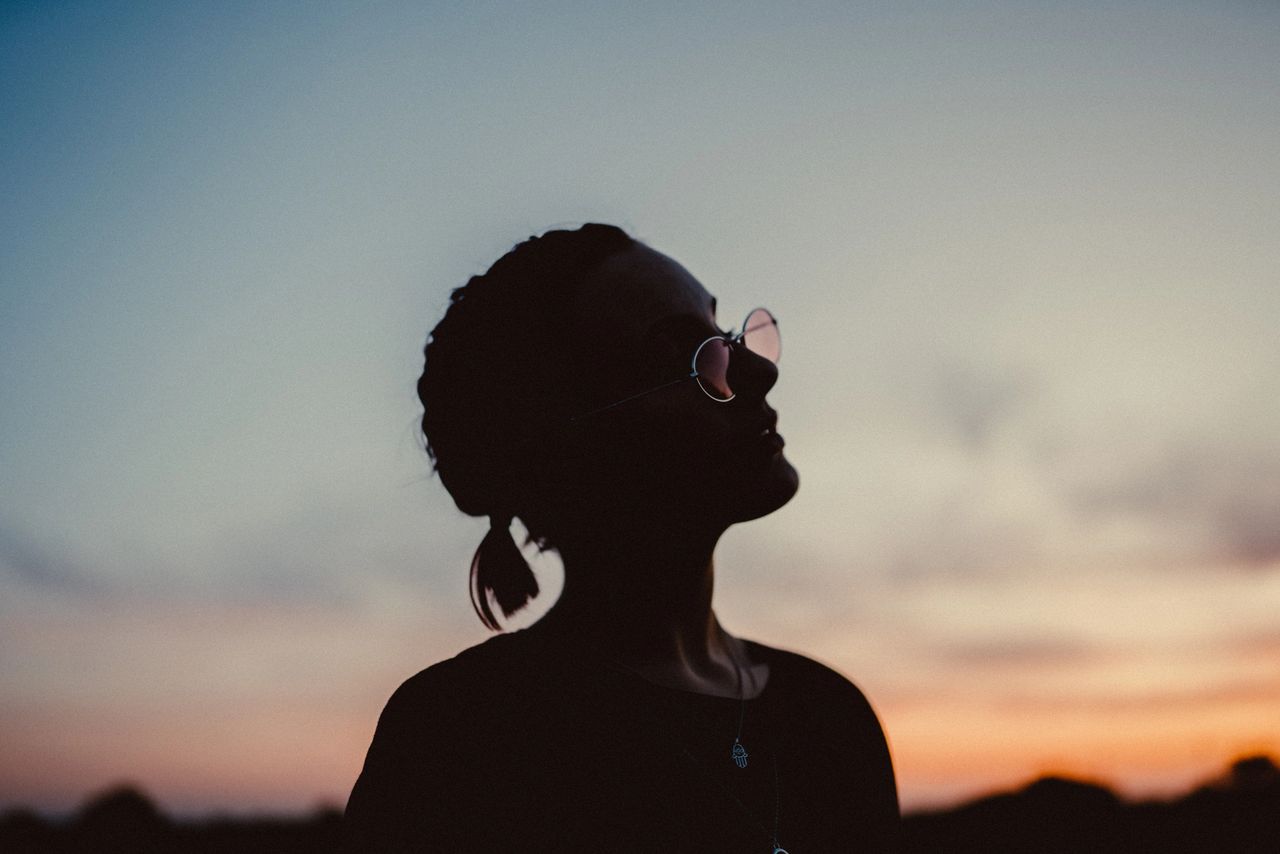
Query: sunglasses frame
{"points": [[731, 338]]}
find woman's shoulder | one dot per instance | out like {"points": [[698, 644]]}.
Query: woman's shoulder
{"points": [[814, 679], [802, 665], [841, 716], [446, 709], [472, 673], [435, 744]]}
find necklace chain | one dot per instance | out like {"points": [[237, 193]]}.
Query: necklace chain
{"points": [[738, 752], [777, 797], [739, 755]]}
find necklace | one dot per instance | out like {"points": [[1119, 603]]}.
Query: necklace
{"points": [[737, 752], [739, 755]]}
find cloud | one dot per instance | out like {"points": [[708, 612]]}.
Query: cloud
{"points": [[1250, 528], [1227, 499], [972, 405], [330, 552], [1019, 651], [1240, 691], [43, 568], [1262, 644], [961, 537]]}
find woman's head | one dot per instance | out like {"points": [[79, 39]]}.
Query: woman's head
{"points": [[675, 454], [564, 324], [494, 364]]}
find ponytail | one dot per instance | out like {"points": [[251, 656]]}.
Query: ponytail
{"points": [[499, 568]]}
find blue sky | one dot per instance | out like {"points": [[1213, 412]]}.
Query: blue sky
{"points": [[1023, 254]]}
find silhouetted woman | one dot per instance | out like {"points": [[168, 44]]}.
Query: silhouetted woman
{"points": [[584, 385]]}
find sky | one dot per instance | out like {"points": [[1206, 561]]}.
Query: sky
{"points": [[1023, 255]]}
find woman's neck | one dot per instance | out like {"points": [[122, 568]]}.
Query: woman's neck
{"points": [[645, 600]]}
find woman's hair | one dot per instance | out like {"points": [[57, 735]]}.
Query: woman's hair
{"points": [[494, 374]]}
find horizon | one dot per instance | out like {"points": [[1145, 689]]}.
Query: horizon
{"points": [[1219, 781], [1023, 255]]}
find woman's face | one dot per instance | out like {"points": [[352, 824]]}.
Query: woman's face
{"points": [[640, 317]]}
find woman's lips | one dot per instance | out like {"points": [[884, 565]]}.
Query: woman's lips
{"points": [[770, 439]]}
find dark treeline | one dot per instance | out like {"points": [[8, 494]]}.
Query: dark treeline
{"points": [[1236, 814], [122, 820]]}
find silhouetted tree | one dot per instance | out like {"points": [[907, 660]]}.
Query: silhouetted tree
{"points": [[22, 831], [1238, 814], [122, 820]]}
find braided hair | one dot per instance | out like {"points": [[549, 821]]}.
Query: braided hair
{"points": [[488, 367]]}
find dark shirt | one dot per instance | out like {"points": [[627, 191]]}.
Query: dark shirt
{"points": [[524, 743]]}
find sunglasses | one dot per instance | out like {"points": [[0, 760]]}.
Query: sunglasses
{"points": [[710, 363]]}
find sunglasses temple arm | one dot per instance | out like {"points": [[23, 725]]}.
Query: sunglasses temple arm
{"points": [[629, 399]]}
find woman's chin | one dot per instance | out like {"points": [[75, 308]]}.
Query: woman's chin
{"points": [[730, 490], [767, 490]]}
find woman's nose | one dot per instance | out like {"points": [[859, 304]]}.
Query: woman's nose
{"points": [[750, 375]]}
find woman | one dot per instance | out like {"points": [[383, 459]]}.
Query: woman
{"points": [[582, 384]]}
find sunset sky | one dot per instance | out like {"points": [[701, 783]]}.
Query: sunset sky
{"points": [[1025, 258]]}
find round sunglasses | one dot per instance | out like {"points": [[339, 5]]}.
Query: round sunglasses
{"points": [[710, 363]]}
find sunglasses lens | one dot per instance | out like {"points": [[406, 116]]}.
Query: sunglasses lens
{"points": [[760, 334], [712, 365]]}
